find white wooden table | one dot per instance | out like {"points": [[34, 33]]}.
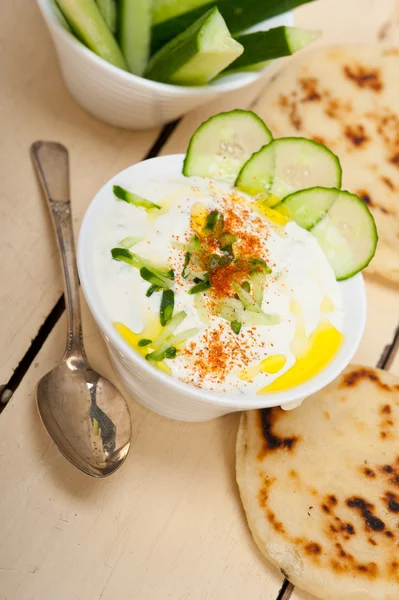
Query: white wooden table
{"points": [[169, 524]]}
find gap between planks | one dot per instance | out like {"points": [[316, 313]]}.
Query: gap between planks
{"points": [[386, 359], [7, 390]]}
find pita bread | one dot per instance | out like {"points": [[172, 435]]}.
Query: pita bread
{"points": [[320, 487], [346, 97]]}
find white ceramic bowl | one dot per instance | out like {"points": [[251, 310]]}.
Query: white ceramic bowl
{"points": [[123, 99], [164, 394]]}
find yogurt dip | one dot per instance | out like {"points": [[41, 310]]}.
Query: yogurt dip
{"points": [[267, 314]]}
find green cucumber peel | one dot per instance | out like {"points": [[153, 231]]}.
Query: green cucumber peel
{"points": [[262, 46], [239, 15], [131, 198]]}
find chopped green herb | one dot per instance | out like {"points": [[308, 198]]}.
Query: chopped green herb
{"points": [[194, 244], [152, 289], [202, 286], [132, 198], [170, 352], [246, 286], [236, 326], [144, 342], [167, 306], [214, 223], [227, 239], [259, 263], [186, 261]]}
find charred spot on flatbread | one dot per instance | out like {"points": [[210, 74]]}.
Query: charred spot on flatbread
{"points": [[268, 422], [364, 76]]}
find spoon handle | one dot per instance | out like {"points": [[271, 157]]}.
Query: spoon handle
{"points": [[52, 165]]}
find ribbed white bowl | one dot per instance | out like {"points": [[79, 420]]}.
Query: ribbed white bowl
{"points": [[123, 99], [167, 395]]}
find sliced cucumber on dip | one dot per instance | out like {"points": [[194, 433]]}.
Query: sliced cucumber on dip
{"points": [[134, 33], [85, 20], [347, 235], [263, 46], [132, 198], [223, 143], [287, 165], [197, 55], [308, 207]]}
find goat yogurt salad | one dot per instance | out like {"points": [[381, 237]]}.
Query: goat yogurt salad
{"points": [[215, 288]]}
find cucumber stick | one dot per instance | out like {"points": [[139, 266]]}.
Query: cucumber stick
{"points": [[60, 17], [347, 235], [88, 25], [134, 33], [287, 165], [197, 55], [223, 143], [162, 10], [262, 46], [239, 15], [108, 10]]}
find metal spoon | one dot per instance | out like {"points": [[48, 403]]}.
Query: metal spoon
{"points": [[84, 413]]}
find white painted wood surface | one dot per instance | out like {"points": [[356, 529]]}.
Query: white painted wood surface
{"points": [[170, 523]]}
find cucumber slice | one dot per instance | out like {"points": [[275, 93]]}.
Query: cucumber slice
{"points": [[135, 33], [108, 10], [223, 143], [348, 235], [308, 207], [197, 55], [238, 14], [287, 165], [163, 10], [262, 46], [90, 28]]}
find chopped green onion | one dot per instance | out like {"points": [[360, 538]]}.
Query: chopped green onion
{"points": [[169, 329], [227, 239], [186, 261], [236, 326], [134, 260], [129, 241], [246, 286], [200, 287], [152, 289], [144, 342], [132, 198], [171, 352], [167, 306]]}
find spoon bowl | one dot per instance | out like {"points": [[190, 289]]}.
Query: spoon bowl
{"points": [[84, 413], [86, 416]]}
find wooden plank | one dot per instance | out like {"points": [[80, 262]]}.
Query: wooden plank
{"points": [[169, 524], [34, 103]]}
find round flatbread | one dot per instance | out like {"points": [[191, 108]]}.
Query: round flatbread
{"points": [[346, 97], [320, 487]]}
